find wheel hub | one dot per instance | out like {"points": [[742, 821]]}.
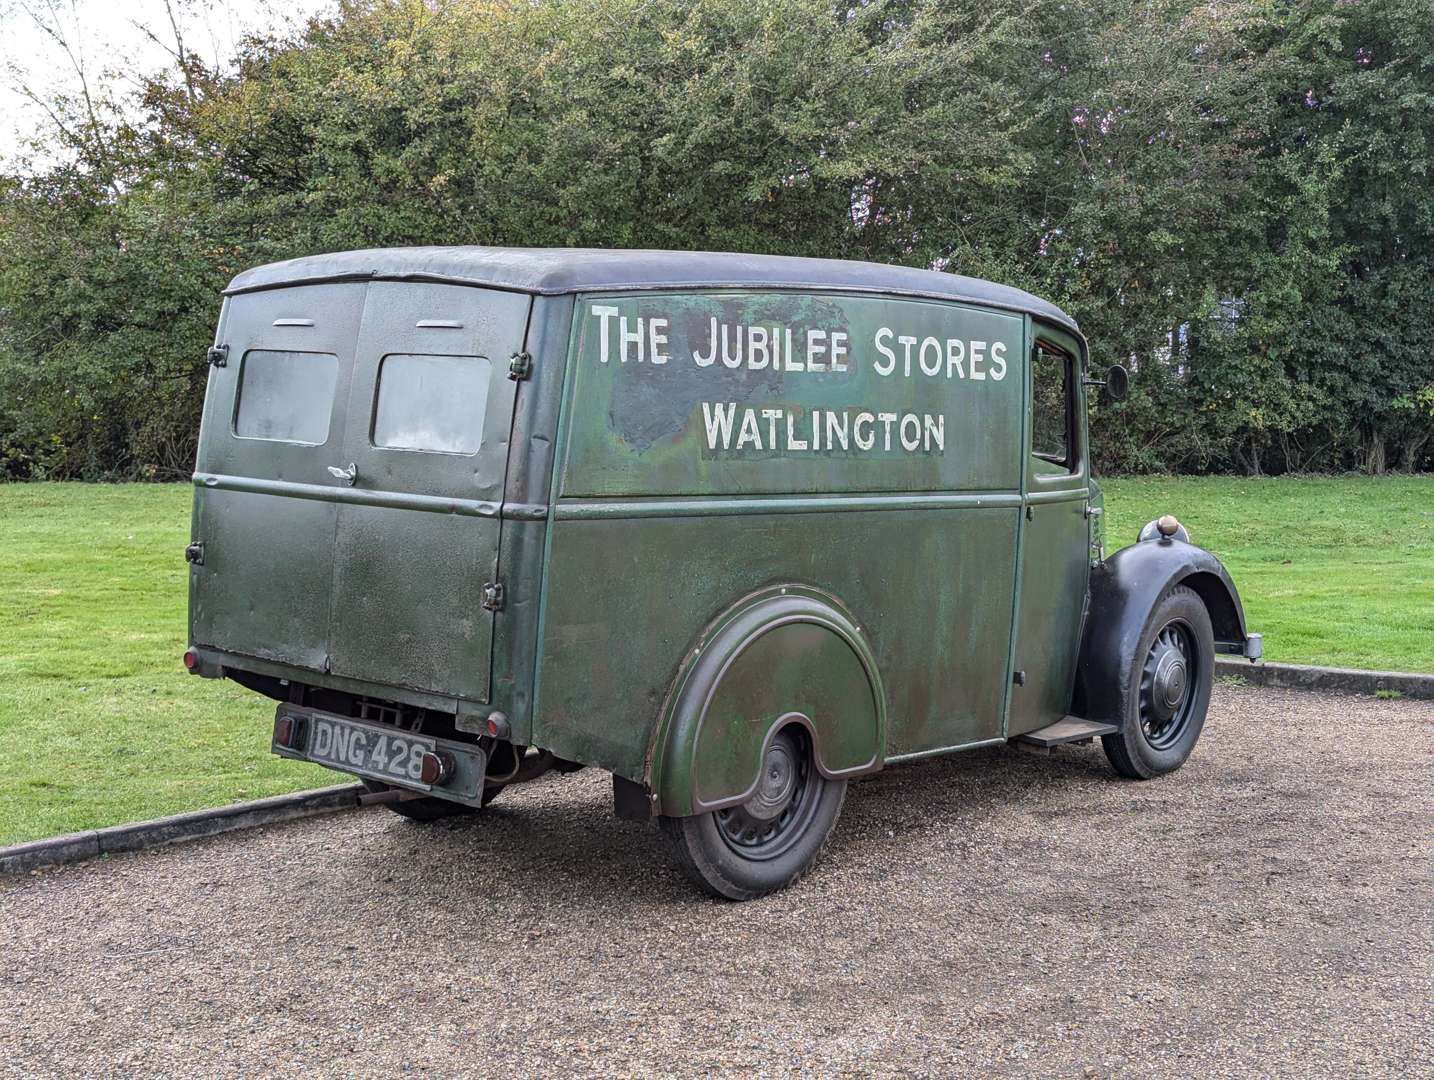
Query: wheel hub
{"points": [[1169, 683], [774, 815], [776, 785], [1166, 699]]}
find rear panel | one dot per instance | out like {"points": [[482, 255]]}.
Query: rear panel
{"points": [[350, 480]]}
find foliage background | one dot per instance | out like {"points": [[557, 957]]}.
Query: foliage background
{"points": [[1234, 199]]}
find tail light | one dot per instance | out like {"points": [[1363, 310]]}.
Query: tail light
{"points": [[498, 726], [289, 731], [437, 768]]}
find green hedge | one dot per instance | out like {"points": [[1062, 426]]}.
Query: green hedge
{"points": [[1233, 199]]}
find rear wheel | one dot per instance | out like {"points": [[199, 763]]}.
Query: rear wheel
{"points": [[766, 843], [429, 808], [1166, 705]]}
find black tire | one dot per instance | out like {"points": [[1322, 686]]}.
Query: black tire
{"points": [[772, 839], [1163, 710], [429, 808]]}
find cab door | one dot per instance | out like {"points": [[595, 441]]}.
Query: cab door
{"points": [[1055, 530], [425, 454]]}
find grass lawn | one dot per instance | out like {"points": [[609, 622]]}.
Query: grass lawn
{"points": [[1332, 570], [100, 723]]}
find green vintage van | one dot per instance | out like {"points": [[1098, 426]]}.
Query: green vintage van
{"points": [[733, 528]]}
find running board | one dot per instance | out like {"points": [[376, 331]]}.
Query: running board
{"points": [[1068, 729]]}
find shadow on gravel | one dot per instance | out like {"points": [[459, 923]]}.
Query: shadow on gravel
{"points": [[558, 840]]}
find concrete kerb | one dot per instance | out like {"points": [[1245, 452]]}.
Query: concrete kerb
{"points": [[77, 847], [1329, 679]]}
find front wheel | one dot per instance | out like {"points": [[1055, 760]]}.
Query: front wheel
{"points": [[1169, 694], [766, 843]]}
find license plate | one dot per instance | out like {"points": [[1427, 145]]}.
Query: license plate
{"points": [[379, 751], [353, 747]]}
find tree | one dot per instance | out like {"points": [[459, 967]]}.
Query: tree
{"points": [[1364, 100], [1231, 198]]}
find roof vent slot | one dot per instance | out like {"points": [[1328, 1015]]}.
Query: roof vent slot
{"points": [[438, 324], [293, 322]]}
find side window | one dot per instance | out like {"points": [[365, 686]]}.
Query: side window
{"points": [[432, 403], [1052, 437], [286, 396]]}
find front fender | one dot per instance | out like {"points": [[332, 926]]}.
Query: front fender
{"points": [[1123, 590], [788, 655]]}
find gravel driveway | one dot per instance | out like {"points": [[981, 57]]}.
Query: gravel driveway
{"points": [[1268, 910]]}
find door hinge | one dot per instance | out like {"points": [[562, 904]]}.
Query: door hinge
{"points": [[493, 596], [218, 355], [194, 553], [520, 365]]}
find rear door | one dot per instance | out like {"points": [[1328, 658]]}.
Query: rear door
{"points": [[429, 415], [264, 509]]}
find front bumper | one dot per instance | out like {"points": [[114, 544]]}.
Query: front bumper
{"points": [[1251, 648]]}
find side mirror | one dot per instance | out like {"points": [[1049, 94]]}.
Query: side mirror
{"points": [[1114, 386], [1117, 383]]}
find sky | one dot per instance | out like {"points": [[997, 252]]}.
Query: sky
{"points": [[104, 34]]}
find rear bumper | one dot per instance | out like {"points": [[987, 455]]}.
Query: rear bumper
{"points": [[382, 752], [217, 664]]}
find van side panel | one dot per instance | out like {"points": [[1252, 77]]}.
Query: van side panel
{"points": [[715, 444], [738, 394], [627, 598]]}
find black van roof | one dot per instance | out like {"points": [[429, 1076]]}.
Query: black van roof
{"points": [[553, 271]]}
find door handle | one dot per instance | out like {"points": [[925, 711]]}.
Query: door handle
{"points": [[348, 476]]}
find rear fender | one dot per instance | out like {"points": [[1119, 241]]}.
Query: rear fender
{"points": [[789, 655], [1123, 591]]}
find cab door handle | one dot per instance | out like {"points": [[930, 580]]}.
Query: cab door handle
{"points": [[348, 476]]}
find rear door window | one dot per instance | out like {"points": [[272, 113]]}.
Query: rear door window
{"points": [[286, 396], [431, 403]]}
